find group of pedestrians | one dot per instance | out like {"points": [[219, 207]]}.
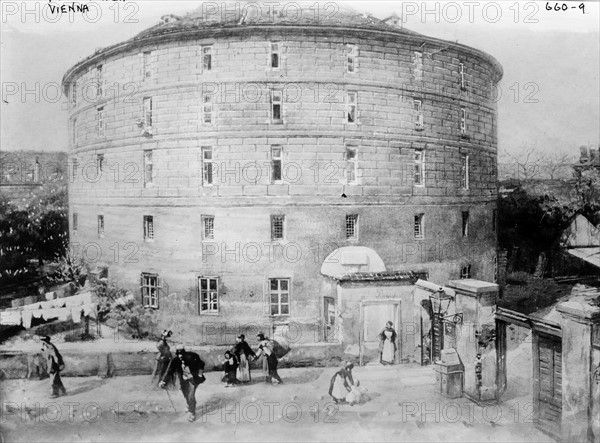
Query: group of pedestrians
{"points": [[190, 368]]}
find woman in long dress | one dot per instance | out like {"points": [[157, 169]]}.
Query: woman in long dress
{"points": [[243, 352], [341, 383], [387, 344]]}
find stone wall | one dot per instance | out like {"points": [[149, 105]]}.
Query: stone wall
{"points": [[313, 134]]}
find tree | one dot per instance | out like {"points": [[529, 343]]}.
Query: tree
{"points": [[524, 164], [557, 165]]}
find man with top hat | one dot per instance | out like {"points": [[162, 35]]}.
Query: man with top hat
{"points": [[190, 369], [55, 364]]}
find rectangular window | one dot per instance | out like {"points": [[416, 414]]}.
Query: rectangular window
{"points": [[207, 166], [276, 164], [150, 291], [276, 105], [207, 109], [352, 51], [463, 121], [465, 272], [148, 227], [464, 171], [147, 67], [277, 227], [351, 107], [209, 295], [418, 228], [418, 66], [208, 227], [74, 167], [147, 112], [419, 168], [99, 81], [99, 162], [74, 93], [352, 227], [100, 226], [275, 57], [461, 72], [418, 114], [465, 223], [75, 222], [207, 58], [279, 296], [148, 168], [74, 131], [351, 171], [100, 119], [494, 215]]}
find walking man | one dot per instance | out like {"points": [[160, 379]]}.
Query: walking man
{"points": [[55, 364], [163, 357], [190, 369], [265, 347]]}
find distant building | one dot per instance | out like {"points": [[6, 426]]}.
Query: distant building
{"points": [[23, 171], [262, 159], [589, 158]]}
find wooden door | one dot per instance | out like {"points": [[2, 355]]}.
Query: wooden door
{"points": [[548, 383]]}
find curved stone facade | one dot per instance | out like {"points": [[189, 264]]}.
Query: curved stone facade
{"points": [[312, 133]]}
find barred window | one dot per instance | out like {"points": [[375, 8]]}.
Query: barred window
{"points": [[150, 290], [465, 223], [275, 57], [464, 171], [99, 81], [418, 65], [418, 114], [208, 288], [351, 107], [277, 227], [351, 171], [276, 164], [279, 296], [461, 72], [147, 67], [207, 109], [148, 227], [207, 58], [100, 120], [208, 227], [418, 226], [276, 105], [207, 166], [74, 93], [352, 227], [463, 121], [100, 226], [147, 112], [419, 168], [465, 272], [99, 162], [148, 167], [352, 51]]}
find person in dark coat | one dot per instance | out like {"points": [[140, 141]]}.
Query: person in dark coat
{"points": [[265, 348], [230, 366], [341, 383], [243, 352], [55, 364], [190, 369], [163, 357]]}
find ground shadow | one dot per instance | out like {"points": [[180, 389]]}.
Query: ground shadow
{"points": [[85, 387]]}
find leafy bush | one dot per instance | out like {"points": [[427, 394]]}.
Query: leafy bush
{"points": [[117, 308]]}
